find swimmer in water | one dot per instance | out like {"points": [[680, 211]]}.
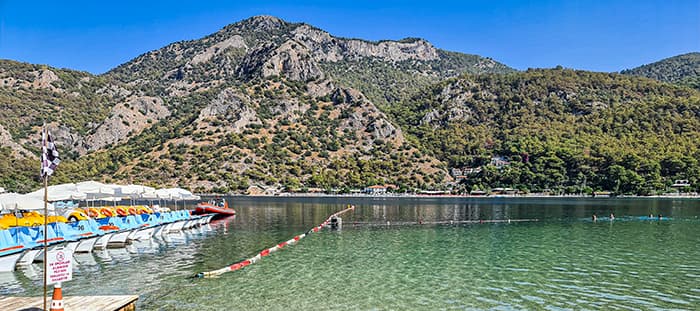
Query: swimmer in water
{"points": [[595, 218], [612, 216]]}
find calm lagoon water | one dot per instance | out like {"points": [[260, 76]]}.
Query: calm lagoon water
{"points": [[562, 261]]}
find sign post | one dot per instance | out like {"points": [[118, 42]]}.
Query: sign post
{"points": [[59, 266]]}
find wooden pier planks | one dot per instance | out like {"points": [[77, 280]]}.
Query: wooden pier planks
{"points": [[101, 303]]}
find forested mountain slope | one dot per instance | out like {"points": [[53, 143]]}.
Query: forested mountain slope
{"points": [[261, 102], [560, 129], [681, 69]]}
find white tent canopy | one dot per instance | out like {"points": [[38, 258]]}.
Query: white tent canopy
{"points": [[16, 201], [149, 195], [164, 194], [133, 191], [62, 192], [179, 194], [96, 190], [186, 194]]}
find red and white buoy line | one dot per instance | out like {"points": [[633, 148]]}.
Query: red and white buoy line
{"points": [[266, 252]]}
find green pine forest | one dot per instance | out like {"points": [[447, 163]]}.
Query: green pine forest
{"points": [[564, 130]]}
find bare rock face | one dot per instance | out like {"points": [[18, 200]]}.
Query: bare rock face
{"points": [[37, 79], [253, 60], [297, 58], [291, 60], [383, 129], [127, 118], [44, 79], [392, 50], [320, 88], [204, 56], [456, 97], [432, 117], [17, 149], [64, 136], [330, 49], [365, 118], [263, 23], [323, 45], [348, 95], [231, 108]]}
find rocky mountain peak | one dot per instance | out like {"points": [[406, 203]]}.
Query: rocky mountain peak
{"points": [[261, 23], [328, 48]]}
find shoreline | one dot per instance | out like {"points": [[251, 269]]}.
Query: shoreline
{"points": [[447, 196]]}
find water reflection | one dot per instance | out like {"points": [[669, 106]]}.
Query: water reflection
{"points": [[512, 266]]}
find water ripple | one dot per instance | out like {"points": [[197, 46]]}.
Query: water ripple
{"points": [[549, 265]]}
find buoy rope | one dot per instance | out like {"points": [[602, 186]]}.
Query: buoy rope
{"points": [[443, 222], [266, 252]]}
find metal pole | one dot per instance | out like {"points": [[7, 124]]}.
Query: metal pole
{"points": [[46, 236]]}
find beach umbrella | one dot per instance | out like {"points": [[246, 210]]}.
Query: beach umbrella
{"points": [[134, 191], [182, 194], [96, 190], [164, 194], [149, 195], [95, 187], [179, 194], [16, 201], [62, 192]]}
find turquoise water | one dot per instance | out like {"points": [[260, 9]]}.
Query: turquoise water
{"points": [[380, 261]]}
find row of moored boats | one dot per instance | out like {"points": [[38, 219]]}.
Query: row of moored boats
{"points": [[23, 244]]}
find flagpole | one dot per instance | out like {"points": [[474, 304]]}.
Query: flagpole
{"points": [[46, 216], [46, 236]]}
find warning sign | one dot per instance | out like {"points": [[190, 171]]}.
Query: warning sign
{"points": [[59, 266]]}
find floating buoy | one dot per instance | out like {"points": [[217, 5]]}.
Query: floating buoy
{"points": [[336, 223], [267, 252]]}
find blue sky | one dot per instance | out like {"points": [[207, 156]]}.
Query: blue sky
{"points": [[96, 36]]}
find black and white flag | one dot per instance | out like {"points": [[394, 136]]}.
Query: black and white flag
{"points": [[49, 155]]}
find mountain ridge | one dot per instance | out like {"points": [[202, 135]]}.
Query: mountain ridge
{"points": [[268, 104], [683, 69]]}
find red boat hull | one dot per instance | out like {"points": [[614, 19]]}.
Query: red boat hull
{"points": [[205, 208]]}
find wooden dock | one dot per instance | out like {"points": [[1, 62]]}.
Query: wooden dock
{"points": [[96, 303]]}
